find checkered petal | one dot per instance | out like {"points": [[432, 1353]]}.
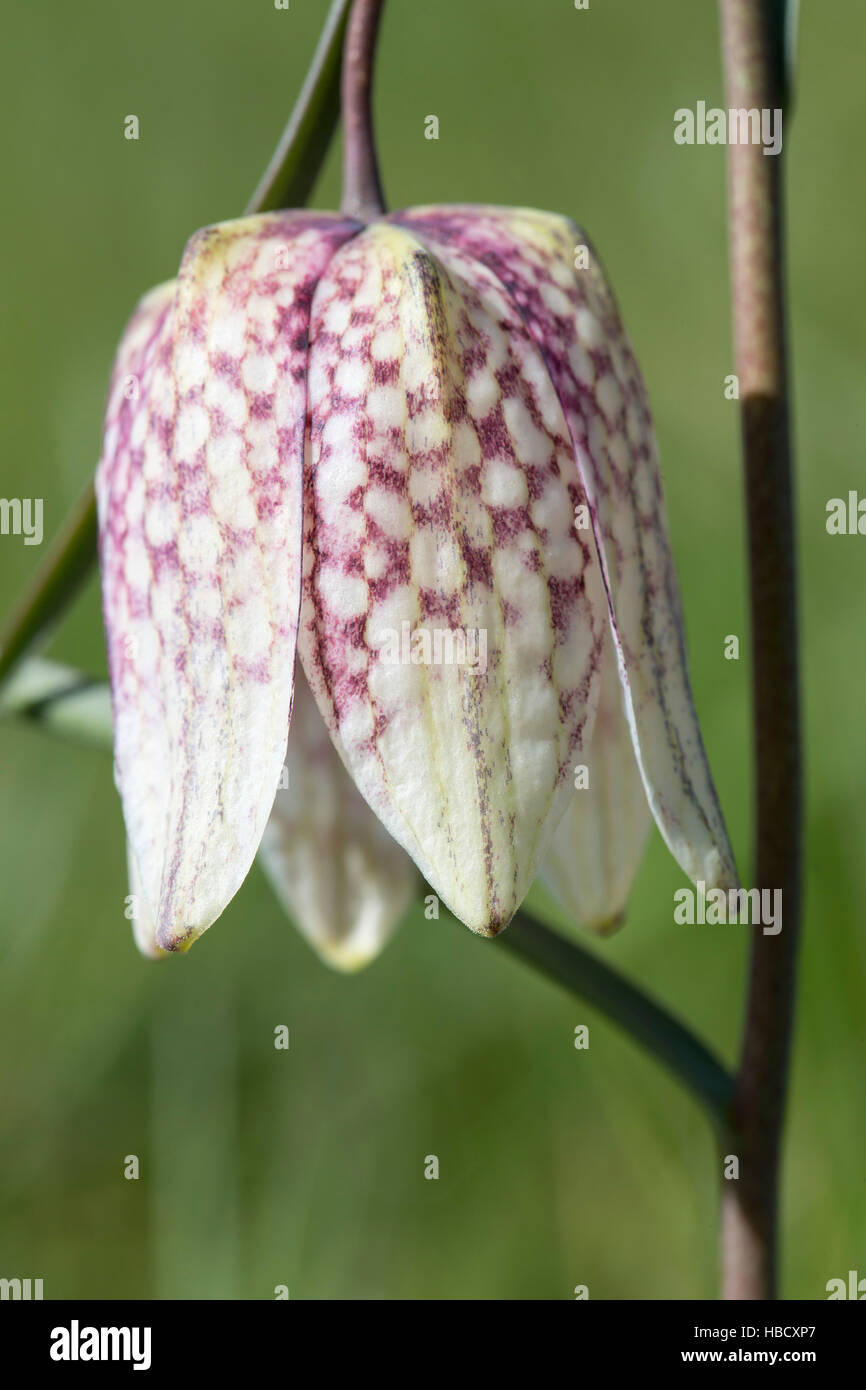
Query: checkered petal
{"points": [[200, 503], [569, 310], [599, 843], [439, 498], [340, 876]]}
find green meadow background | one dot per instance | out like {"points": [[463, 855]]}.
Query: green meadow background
{"points": [[305, 1168]]}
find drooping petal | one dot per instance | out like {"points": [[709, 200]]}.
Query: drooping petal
{"points": [[439, 499], [600, 840], [571, 314], [200, 504], [339, 874]]}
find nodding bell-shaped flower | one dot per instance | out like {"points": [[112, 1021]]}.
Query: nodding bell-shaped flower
{"points": [[345, 444], [412, 455]]}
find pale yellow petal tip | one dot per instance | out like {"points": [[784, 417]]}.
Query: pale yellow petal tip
{"points": [[350, 933], [606, 926], [485, 930], [156, 943], [716, 869], [480, 924], [178, 941], [345, 958], [356, 949]]}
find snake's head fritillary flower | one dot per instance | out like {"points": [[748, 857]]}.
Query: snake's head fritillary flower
{"points": [[341, 442]]}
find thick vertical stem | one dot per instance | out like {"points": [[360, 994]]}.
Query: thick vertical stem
{"points": [[749, 1205], [362, 189]]}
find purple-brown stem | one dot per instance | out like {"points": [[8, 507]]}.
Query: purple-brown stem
{"points": [[362, 189], [754, 79]]}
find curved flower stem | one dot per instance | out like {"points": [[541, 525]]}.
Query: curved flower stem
{"points": [[645, 1021], [362, 189], [68, 561], [754, 79], [66, 702], [294, 167]]}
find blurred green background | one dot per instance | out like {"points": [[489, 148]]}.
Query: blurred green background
{"points": [[305, 1167]]}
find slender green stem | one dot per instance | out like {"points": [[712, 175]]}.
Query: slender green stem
{"points": [[754, 79], [645, 1021], [291, 174], [66, 565], [362, 188]]}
